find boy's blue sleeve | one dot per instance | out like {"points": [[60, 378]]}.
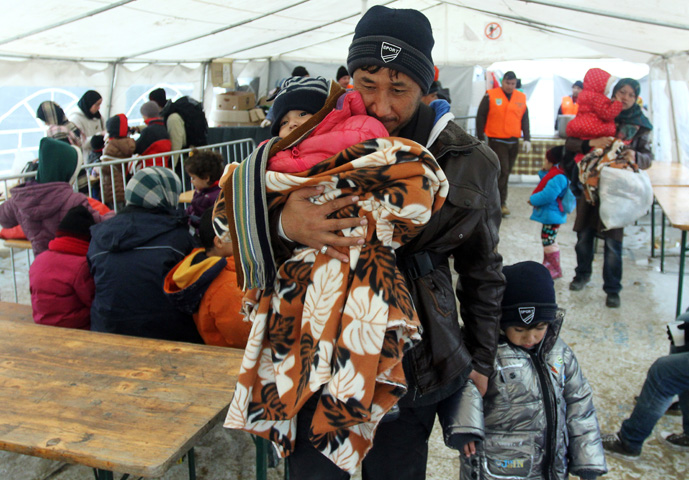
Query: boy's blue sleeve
{"points": [[585, 450], [550, 192]]}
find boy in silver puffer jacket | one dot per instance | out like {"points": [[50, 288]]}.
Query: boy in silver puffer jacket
{"points": [[540, 422]]}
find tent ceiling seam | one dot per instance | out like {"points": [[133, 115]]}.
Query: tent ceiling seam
{"points": [[219, 30], [66, 22]]}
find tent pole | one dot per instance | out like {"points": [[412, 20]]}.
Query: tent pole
{"points": [[112, 87], [204, 76], [675, 144]]}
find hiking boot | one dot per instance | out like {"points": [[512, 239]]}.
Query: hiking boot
{"points": [[615, 448], [579, 282], [613, 300], [676, 441], [505, 211]]}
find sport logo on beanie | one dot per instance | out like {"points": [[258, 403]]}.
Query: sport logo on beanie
{"points": [[389, 52], [527, 314]]}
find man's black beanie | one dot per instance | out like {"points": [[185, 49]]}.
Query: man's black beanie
{"points": [[529, 296], [400, 39]]}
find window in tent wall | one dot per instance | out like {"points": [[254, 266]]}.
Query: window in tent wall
{"points": [[20, 130], [137, 95]]}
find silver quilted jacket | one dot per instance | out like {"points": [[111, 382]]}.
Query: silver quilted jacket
{"points": [[540, 422]]}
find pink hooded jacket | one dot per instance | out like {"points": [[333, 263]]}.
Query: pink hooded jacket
{"points": [[596, 115], [62, 288], [341, 128]]}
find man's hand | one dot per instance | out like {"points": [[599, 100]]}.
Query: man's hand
{"points": [[480, 380], [526, 147], [470, 449], [601, 142], [308, 224]]}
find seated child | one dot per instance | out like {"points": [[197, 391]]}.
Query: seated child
{"points": [[205, 169], [39, 206], [596, 115], [118, 145], [540, 421], [61, 285], [204, 284], [552, 200], [302, 97]]}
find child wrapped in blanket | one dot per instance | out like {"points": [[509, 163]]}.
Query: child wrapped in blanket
{"points": [[326, 335]]}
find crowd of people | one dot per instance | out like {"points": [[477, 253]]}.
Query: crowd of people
{"points": [[333, 269]]}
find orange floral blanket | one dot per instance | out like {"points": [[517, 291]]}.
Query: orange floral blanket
{"points": [[342, 327]]}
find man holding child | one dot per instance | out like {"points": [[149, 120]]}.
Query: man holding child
{"points": [[391, 66]]}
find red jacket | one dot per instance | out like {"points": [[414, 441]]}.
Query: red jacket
{"points": [[341, 128], [596, 115], [62, 288]]}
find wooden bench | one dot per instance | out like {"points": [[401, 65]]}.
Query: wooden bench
{"points": [[674, 202], [111, 402], [16, 312]]}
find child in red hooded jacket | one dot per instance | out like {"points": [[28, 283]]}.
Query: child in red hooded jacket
{"points": [[60, 280], [348, 124], [597, 112]]}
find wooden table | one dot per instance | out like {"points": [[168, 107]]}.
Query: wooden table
{"points": [[665, 174], [675, 204], [186, 197], [111, 402]]}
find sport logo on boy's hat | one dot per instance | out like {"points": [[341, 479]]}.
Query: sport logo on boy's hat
{"points": [[389, 52], [527, 314]]}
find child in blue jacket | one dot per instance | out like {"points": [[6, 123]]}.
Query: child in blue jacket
{"points": [[552, 200]]}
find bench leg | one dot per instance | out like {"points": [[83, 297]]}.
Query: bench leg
{"points": [[682, 254], [103, 474], [662, 243], [191, 458], [261, 458], [653, 228]]}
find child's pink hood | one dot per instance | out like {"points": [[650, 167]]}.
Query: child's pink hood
{"points": [[345, 126]]}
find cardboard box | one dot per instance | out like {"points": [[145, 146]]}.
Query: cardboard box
{"points": [[257, 114], [232, 118], [235, 101], [221, 73]]}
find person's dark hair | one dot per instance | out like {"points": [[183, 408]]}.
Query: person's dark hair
{"points": [[206, 232], [205, 163], [158, 96], [579, 84], [300, 71], [555, 154], [510, 75], [341, 72]]}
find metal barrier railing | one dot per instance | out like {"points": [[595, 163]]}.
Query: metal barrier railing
{"points": [[233, 151]]}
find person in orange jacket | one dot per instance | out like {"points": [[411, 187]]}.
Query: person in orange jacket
{"points": [[204, 284], [570, 105], [502, 118]]}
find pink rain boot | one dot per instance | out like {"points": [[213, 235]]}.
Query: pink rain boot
{"points": [[551, 260]]}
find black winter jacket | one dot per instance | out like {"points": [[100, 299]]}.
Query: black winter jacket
{"points": [[465, 228], [129, 256]]}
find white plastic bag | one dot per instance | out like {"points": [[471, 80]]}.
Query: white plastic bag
{"points": [[625, 196]]}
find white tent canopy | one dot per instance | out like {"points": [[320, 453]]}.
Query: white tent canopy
{"points": [[110, 45]]}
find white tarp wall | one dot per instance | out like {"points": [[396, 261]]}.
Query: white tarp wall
{"points": [[670, 108]]}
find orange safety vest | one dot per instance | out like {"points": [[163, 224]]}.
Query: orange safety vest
{"points": [[569, 107], [505, 116]]}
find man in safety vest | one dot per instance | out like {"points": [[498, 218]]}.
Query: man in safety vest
{"points": [[502, 117], [569, 105]]}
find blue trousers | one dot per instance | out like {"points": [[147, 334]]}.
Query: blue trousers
{"points": [[612, 259], [667, 377]]}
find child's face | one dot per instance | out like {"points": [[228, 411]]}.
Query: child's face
{"points": [[527, 338], [199, 183], [292, 120]]}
